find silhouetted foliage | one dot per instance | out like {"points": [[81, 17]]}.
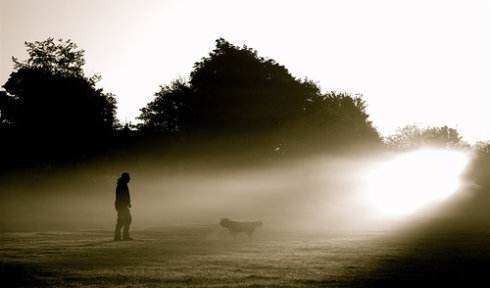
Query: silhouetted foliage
{"points": [[48, 94], [338, 117], [235, 90], [165, 113], [7, 110], [50, 111], [56, 57], [232, 89], [411, 136], [479, 171]]}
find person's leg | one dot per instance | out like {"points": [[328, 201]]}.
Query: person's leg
{"points": [[126, 231], [119, 225], [127, 223]]}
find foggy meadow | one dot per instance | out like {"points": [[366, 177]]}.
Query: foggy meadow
{"points": [[239, 174]]}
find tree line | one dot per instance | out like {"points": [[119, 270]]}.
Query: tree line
{"points": [[50, 107]]}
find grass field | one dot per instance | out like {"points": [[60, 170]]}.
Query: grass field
{"points": [[208, 257]]}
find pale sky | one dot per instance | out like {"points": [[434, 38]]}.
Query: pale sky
{"points": [[423, 62]]}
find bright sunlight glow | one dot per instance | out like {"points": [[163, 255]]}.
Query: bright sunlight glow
{"points": [[414, 180]]}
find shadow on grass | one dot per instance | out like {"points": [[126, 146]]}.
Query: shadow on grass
{"points": [[436, 259], [14, 274]]}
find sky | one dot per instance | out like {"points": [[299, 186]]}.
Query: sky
{"points": [[423, 62]]}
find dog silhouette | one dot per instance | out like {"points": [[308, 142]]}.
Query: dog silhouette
{"points": [[236, 227]]}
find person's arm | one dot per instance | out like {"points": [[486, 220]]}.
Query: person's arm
{"points": [[118, 196]]}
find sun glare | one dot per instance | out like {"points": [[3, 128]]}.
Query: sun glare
{"points": [[414, 180]]}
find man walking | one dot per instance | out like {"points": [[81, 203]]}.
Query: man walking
{"points": [[123, 203]]}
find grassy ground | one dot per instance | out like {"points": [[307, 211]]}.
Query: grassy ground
{"points": [[208, 257]]}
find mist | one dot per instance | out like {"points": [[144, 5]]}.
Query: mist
{"points": [[188, 186], [304, 193]]}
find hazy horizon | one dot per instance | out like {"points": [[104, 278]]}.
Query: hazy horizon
{"points": [[415, 63]]}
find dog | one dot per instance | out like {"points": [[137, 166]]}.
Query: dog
{"points": [[236, 227]]}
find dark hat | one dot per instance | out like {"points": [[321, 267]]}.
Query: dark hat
{"points": [[124, 176]]}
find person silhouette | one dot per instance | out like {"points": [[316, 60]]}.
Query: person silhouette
{"points": [[123, 203]]}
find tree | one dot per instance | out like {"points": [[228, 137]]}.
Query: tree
{"points": [[7, 110], [411, 136], [479, 169], [56, 57], [48, 94], [165, 112], [339, 117], [235, 90]]}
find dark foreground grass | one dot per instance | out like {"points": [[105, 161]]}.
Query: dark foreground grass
{"points": [[208, 257]]}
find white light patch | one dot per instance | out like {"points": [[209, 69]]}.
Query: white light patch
{"points": [[414, 180]]}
